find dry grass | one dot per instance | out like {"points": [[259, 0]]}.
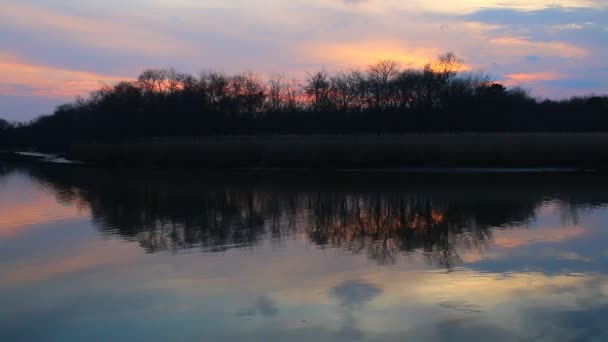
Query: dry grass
{"points": [[358, 151]]}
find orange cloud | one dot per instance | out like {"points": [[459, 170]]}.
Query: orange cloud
{"points": [[364, 53], [518, 238], [24, 78], [521, 47], [514, 79]]}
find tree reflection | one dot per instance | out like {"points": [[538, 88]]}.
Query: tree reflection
{"points": [[439, 217]]}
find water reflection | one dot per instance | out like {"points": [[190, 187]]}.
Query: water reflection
{"points": [[263, 305], [353, 296], [382, 216], [116, 255]]}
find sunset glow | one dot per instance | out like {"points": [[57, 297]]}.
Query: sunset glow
{"points": [[25, 78], [52, 51]]}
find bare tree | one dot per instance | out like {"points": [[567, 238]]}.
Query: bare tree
{"points": [[343, 94], [317, 90], [217, 85], [152, 80], [254, 93], [381, 75], [187, 82], [406, 85], [293, 95], [173, 80], [447, 66], [276, 92]]}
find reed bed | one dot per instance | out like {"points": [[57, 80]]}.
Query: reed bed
{"points": [[580, 151]]}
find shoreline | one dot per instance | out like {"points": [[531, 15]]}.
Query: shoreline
{"points": [[432, 153], [358, 152], [19, 157]]}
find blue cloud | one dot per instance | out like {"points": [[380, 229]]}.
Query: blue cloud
{"points": [[548, 16]]}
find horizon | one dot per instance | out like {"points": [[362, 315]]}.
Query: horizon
{"points": [[54, 50]]}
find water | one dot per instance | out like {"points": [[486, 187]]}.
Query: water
{"points": [[91, 254]]}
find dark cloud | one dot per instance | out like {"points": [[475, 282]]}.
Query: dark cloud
{"points": [[263, 305], [460, 306], [354, 294], [533, 59], [576, 26], [586, 321], [588, 84]]}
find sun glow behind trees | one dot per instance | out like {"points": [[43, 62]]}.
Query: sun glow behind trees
{"points": [[49, 54], [383, 98]]}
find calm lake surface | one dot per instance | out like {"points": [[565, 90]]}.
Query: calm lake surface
{"points": [[92, 254]]}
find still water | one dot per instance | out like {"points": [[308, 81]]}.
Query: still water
{"points": [[91, 254]]}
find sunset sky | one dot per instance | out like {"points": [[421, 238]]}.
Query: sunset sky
{"points": [[53, 50]]}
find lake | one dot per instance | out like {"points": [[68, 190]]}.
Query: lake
{"points": [[114, 254]]}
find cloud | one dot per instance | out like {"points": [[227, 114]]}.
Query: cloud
{"points": [[121, 38], [523, 237], [522, 78], [363, 53], [460, 306], [570, 17], [458, 7], [354, 294], [565, 39], [521, 47], [115, 32], [263, 305], [25, 78]]}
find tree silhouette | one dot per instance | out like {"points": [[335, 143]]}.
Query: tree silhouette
{"points": [[381, 99], [381, 218]]}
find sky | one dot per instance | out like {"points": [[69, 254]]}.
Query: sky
{"points": [[54, 50]]}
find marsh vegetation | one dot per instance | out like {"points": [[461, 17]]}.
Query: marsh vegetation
{"points": [[579, 151]]}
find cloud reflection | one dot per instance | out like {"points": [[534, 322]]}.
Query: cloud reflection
{"points": [[297, 289], [264, 306]]}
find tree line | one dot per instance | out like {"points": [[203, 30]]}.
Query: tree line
{"points": [[380, 99]]}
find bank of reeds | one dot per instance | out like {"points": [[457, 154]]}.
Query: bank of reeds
{"points": [[580, 151]]}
